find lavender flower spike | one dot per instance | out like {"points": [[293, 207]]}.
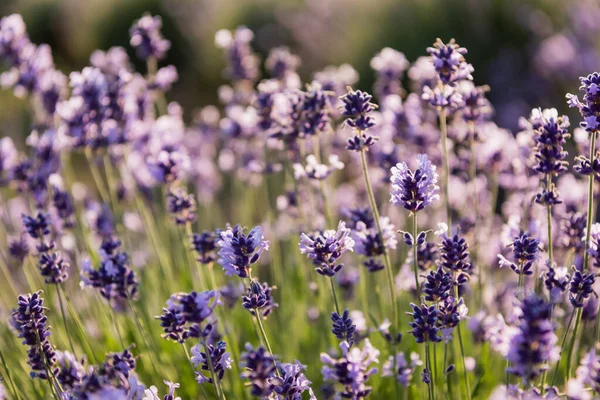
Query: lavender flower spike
{"points": [[325, 249], [414, 190], [239, 251]]}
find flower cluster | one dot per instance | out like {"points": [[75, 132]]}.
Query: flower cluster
{"points": [[239, 251], [414, 190], [343, 327], [259, 299], [367, 240], [590, 106], [114, 278], [185, 313], [526, 250], [181, 205], [219, 361], [357, 107], [534, 345], [352, 370], [31, 324], [401, 369], [147, 39], [326, 249]]}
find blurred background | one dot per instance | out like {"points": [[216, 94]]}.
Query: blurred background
{"points": [[530, 52]]}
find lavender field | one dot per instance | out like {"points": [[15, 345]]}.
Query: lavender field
{"points": [[303, 236]]}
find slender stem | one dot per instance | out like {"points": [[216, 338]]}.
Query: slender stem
{"points": [[187, 356], [590, 210], [64, 318], [78, 322], [572, 344], [428, 366], [415, 257], [97, 176], [386, 259], [562, 347], [138, 324], [473, 178], [434, 374], [549, 217], [446, 177], [462, 349], [213, 375], [9, 377], [264, 334], [448, 376], [335, 301], [116, 325]]}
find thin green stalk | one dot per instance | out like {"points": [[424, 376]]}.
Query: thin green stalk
{"points": [[64, 318], [187, 356], [434, 374], [590, 210], [78, 322], [9, 377], [116, 325], [142, 331], [386, 258], [448, 376], [213, 375], [415, 257], [562, 347], [335, 300], [572, 344], [462, 350], [97, 176], [428, 366], [446, 177]]}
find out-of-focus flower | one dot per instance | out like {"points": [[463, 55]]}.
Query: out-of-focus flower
{"points": [[147, 38]]}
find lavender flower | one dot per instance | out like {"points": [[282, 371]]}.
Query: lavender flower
{"points": [[525, 250], [242, 62], [390, 65], [185, 313], [281, 63], [18, 248], [31, 324], [556, 280], [259, 369], [259, 299], [205, 244], [53, 268], [343, 327], [219, 358], [352, 370], [534, 346], [589, 107], [147, 39], [239, 251], [437, 285], [326, 249], [425, 323], [454, 256], [572, 228], [181, 205], [314, 170], [401, 369], [114, 278], [293, 382], [358, 108], [414, 190], [580, 288], [449, 62], [152, 393]]}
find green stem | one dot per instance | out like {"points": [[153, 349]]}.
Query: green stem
{"points": [[187, 356], [97, 176], [335, 301], [446, 177], [9, 377], [415, 257], [78, 322], [572, 344], [562, 347], [590, 210], [428, 366], [213, 375], [462, 350], [264, 334], [116, 325], [64, 318], [386, 259]]}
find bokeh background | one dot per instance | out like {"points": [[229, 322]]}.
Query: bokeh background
{"points": [[530, 52]]}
